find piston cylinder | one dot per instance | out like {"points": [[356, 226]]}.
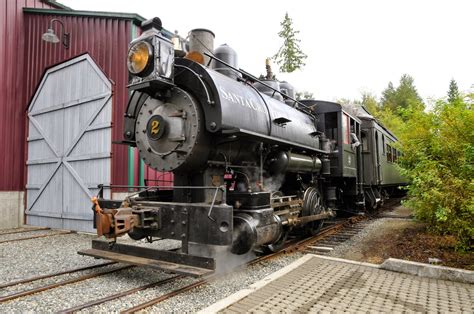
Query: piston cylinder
{"points": [[249, 232]]}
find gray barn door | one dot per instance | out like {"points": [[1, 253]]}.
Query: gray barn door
{"points": [[69, 144]]}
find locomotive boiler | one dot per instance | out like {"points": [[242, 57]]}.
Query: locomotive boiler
{"points": [[251, 163]]}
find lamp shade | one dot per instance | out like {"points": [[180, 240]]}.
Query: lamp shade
{"points": [[50, 36]]}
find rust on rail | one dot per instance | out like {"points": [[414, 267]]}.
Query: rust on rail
{"points": [[38, 236], [23, 281], [58, 284]]}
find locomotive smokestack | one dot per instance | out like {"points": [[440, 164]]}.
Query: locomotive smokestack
{"points": [[202, 40], [268, 67]]}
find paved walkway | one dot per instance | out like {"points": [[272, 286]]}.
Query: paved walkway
{"points": [[317, 284]]}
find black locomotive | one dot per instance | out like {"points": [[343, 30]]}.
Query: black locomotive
{"points": [[251, 163]]}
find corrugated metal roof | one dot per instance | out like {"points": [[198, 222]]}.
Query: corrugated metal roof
{"points": [[56, 4], [135, 18]]}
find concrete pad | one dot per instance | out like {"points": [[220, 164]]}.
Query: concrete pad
{"points": [[233, 298], [319, 283], [429, 271], [11, 209]]}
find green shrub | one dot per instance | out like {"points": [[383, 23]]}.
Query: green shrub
{"points": [[438, 159]]}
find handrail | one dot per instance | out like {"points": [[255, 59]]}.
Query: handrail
{"points": [[255, 79]]}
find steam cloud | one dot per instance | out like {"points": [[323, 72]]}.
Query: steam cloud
{"points": [[226, 261], [273, 183]]}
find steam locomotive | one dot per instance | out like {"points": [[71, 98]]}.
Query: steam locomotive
{"points": [[251, 163]]}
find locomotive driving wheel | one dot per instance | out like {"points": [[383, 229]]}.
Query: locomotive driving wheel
{"points": [[312, 205]]}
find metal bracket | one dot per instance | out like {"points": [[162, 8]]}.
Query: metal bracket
{"points": [[185, 229]]}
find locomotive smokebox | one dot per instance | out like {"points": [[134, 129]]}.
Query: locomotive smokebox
{"points": [[169, 132]]}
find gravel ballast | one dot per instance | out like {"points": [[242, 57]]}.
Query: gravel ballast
{"points": [[35, 257], [29, 258], [352, 245]]}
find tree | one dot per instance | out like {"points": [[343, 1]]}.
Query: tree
{"points": [[289, 57], [347, 101], [404, 96], [389, 97], [453, 92], [370, 103]]}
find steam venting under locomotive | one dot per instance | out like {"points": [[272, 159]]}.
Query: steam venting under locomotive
{"points": [[251, 163]]}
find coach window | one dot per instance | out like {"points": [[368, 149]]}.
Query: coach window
{"points": [[394, 154], [365, 145], [383, 144], [389, 153]]}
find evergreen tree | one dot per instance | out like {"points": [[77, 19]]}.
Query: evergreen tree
{"points": [[404, 96], [453, 92], [389, 97], [289, 57], [370, 103]]}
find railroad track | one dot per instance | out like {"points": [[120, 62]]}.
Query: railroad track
{"points": [[70, 271], [327, 244], [28, 292], [341, 231], [120, 294], [291, 246]]}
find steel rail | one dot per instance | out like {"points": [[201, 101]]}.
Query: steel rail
{"points": [[75, 270], [59, 284], [119, 295], [25, 230], [38, 236], [164, 297]]}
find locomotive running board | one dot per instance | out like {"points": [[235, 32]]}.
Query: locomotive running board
{"points": [[191, 265]]}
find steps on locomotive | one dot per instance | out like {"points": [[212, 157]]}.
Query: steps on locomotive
{"points": [[175, 262]]}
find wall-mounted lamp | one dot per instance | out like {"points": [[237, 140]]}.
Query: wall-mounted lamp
{"points": [[51, 37]]}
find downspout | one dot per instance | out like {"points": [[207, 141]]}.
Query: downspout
{"points": [[141, 178], [131, 153], [131, 166]]}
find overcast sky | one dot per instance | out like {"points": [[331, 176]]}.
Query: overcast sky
{"points": [[352, 46]]}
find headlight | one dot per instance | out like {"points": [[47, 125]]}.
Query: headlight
{"points": [[140, 58]]}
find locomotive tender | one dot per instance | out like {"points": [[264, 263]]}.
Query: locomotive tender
{"points": [[251, 163]]}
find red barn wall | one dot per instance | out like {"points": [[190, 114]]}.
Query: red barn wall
{"points": [[106, 40], [12, 99]]}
